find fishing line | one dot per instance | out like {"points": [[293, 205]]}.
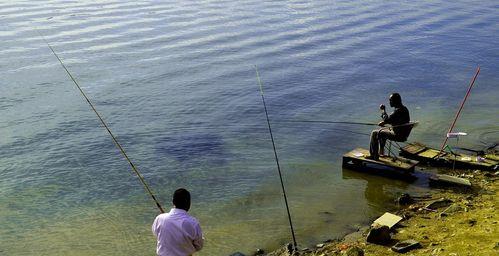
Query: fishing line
{"points": [[325, 122], [276, 158], [414, 123], [141, 178]]}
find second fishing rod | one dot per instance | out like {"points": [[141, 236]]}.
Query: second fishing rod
{"points": [[295, 245]]}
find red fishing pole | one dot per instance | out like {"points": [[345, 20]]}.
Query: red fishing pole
{"points": [[460, 108]]}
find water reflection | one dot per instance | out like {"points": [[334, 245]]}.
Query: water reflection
{"points": [[381, 189]]}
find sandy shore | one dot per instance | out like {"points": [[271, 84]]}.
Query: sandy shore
{"points": [[469, 226]]}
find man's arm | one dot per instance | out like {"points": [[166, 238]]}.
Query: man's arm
{"points": [[154, 227], [393, 117], [199, 239]]}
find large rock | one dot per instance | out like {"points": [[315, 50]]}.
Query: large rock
{"points": [[379, 235]]}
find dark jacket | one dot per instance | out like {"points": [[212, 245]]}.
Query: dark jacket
{"points": [[400, 116]]}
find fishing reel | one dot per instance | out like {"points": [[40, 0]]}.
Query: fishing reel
{"points": [[384, 115]]}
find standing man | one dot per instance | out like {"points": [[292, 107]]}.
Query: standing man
{"points": [[398, 132], [178, 233]]}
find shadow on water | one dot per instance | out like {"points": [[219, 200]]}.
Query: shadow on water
{"points": [[193, 148]]}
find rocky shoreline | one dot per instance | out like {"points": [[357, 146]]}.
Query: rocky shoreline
{"points": [[451, 221]]}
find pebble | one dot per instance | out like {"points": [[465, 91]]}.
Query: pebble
{"points": [[259, 252], [471, 222], [436, 251]]}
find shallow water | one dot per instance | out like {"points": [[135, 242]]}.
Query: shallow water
{"points": [[175, 81]]}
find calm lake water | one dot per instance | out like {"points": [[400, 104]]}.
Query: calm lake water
{"points": [[175, 80]]}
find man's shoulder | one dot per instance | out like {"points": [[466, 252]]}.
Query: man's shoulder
{"points": [[163, 216], [191, 219], [401, 108]]}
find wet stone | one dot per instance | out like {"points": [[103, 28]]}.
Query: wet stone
{"points": [[259, 252], [405, 199]]}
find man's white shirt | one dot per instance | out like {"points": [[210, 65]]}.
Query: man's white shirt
{"points": [[177, 233]]}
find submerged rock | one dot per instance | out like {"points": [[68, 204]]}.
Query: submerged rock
{"points": [[237, 254]]}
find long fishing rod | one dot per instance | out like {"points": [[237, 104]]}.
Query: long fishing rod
{"points": [[141, 178], [460, 108], [276, 159]]}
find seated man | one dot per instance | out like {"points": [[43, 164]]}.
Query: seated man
{"points": [[398, 131]]}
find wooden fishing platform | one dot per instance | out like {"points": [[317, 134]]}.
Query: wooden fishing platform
{"points": [[494, 157], [435, 157], [388, 165]]}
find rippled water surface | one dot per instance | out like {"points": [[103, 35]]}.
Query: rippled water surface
{"points": [[175, 80]]}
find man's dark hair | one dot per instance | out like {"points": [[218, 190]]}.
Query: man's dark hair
{"points": [[396, 99], [182, 199]]}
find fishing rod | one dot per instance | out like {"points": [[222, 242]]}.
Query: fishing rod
{"points": [[276, 159], [141, 178], [460, 108]]}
